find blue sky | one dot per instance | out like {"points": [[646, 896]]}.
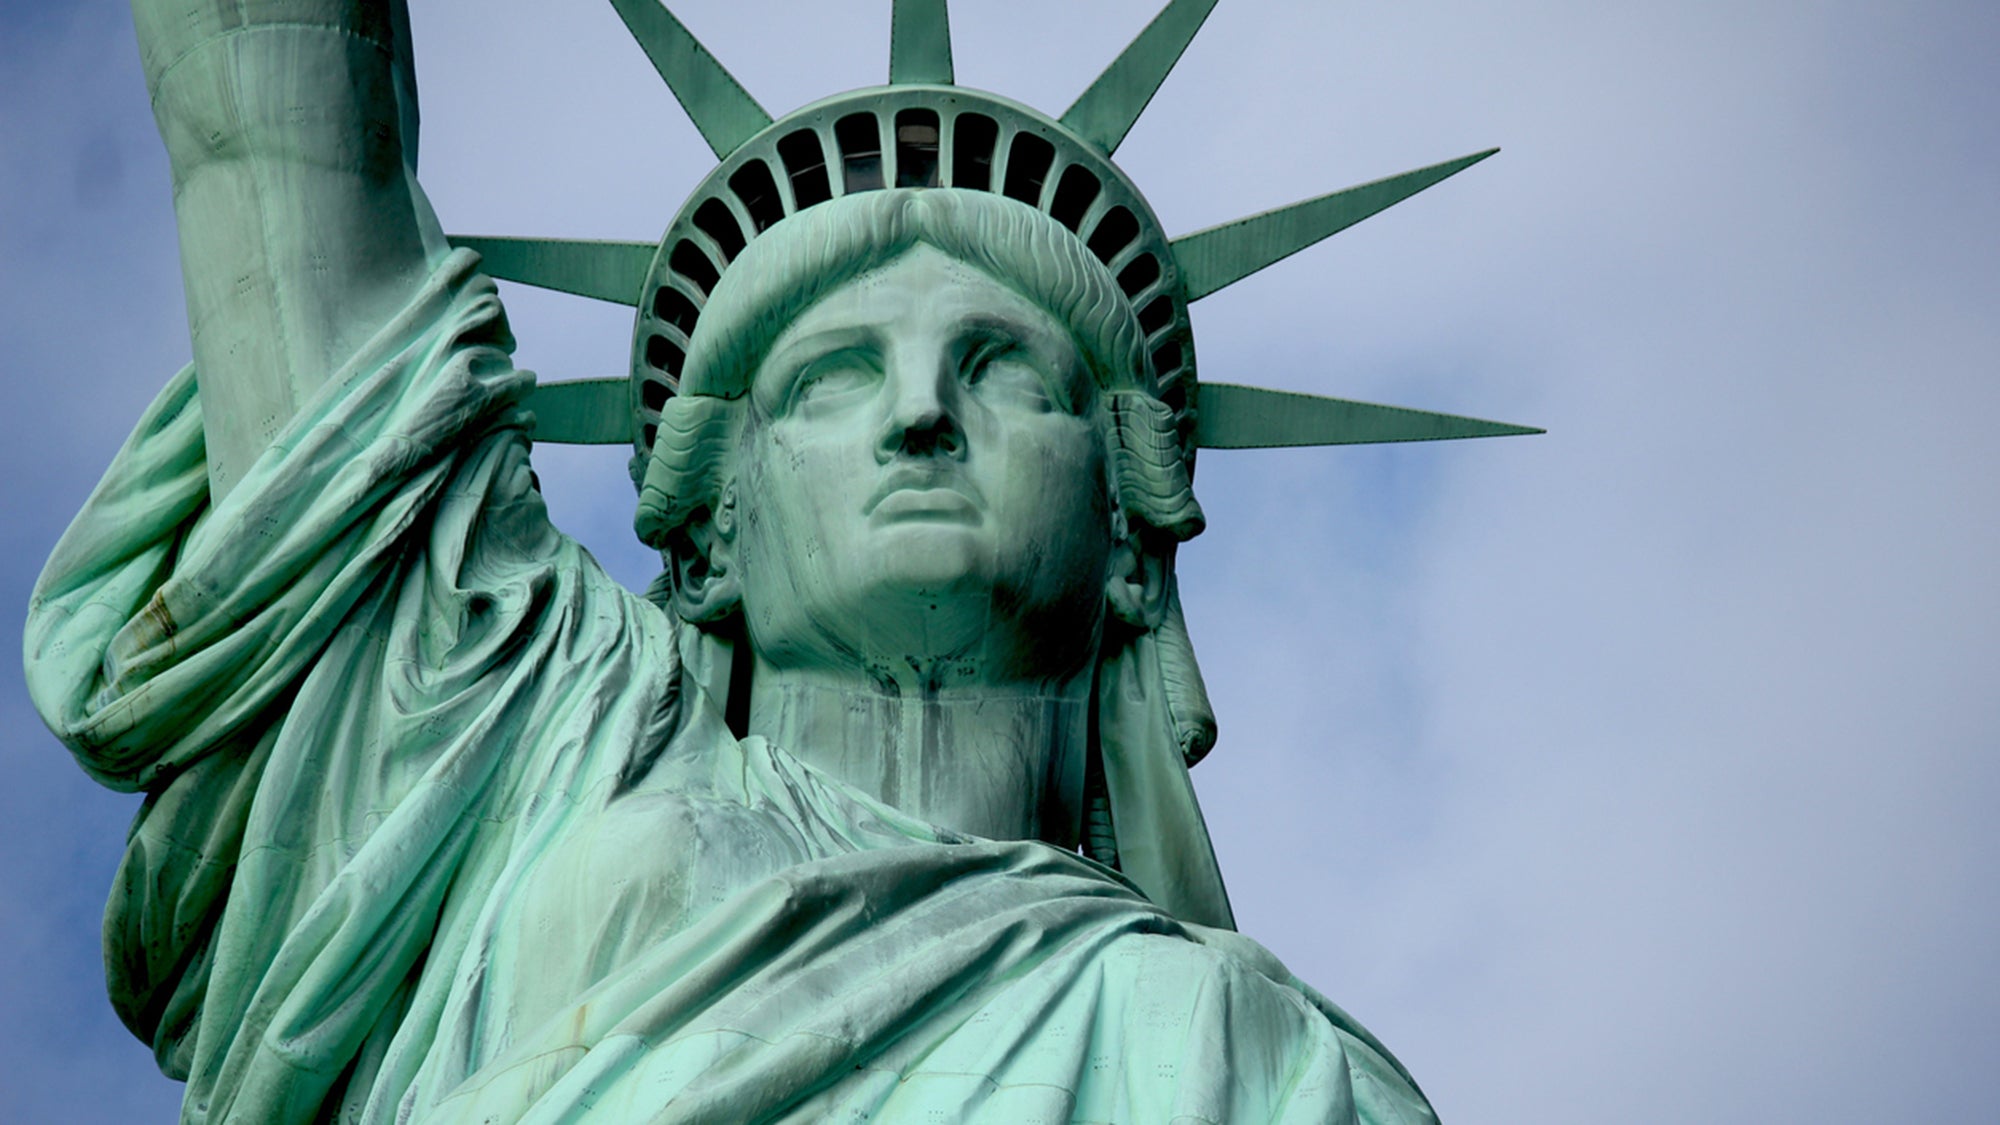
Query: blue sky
{"points": [[1640, 772]]}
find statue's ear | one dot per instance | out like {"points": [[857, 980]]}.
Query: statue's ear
{"points": [[1136, 583], [702, 556]]}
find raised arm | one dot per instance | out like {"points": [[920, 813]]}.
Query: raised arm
{"points": [[291, 126]]}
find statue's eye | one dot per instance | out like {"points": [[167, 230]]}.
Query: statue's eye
{"points": [[835, 377], [1004, 372]]}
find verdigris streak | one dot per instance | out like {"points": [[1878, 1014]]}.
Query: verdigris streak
{"points": [[874, 807]]}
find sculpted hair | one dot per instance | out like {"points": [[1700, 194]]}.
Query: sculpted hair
{"points": [[796, 263]]}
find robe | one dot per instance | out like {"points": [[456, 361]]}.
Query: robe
{"points": [[438, 829]]}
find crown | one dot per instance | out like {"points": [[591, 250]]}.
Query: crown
{"points": [[921, 130]]}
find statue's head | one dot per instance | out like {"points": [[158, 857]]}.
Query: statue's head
{"points": [[916, 429], [912, 395], [913, 377]]}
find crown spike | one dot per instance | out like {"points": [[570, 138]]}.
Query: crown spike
{"points": [[1104, 113], [608, 271], [598, 412], [583, 412], [1237, 417], [718, 105], [920, 43], [1223, 255]]}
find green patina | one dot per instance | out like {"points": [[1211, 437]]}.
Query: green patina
{"points": [[875, 807]]}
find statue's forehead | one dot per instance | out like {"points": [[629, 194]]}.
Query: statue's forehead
{"points": [[922, 307], [925, 299], [910, 261], [922, 286]]}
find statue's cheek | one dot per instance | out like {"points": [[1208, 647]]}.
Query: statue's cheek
{"points": [[1057, 468]]}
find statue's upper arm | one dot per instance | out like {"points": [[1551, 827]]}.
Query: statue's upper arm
{"points": [[291, 131]]}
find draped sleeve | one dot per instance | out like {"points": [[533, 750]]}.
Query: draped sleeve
{"points": [[334, 688]]}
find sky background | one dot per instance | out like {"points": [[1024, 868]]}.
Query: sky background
{"points": [[1640, 772]]}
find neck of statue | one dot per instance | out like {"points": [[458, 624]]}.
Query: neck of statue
{"points": [[1003, 761]]}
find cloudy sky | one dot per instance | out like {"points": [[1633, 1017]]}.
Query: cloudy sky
{"points": [[1640, 772]]}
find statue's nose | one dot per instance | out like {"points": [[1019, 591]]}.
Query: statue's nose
{"points": [[923, 412]]}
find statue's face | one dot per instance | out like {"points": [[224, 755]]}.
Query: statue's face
{"points": [[924, 482]]}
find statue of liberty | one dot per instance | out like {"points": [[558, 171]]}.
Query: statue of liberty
{"points": [[875, 807]]}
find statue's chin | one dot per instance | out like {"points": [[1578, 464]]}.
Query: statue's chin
{"points": [[929, 596], [938, 625], [921, 558]]}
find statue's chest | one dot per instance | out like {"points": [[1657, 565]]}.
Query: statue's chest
{"points": [[619, 880]]}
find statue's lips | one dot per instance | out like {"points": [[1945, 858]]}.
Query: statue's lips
{"points": [[924, 495], [938, 504]]}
